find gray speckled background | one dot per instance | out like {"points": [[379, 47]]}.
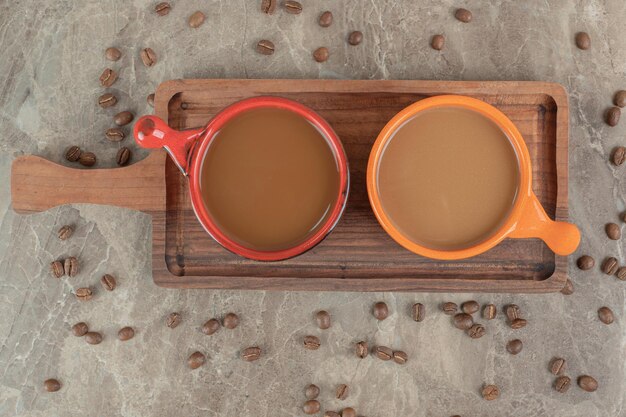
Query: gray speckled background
{"points": [[52, 56]]}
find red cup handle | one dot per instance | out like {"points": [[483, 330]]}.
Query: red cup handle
{"points": [[152, 132]]}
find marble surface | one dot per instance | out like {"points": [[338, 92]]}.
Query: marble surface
{"points": [[52, 56]]}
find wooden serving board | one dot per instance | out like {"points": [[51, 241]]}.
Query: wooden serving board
{"points": [[358, 255]]}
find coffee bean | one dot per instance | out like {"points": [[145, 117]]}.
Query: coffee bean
{"points": [[71, 266], [196, 19], [123, 156], [621, 273], [265, 47], [418, 312], [463, 15], [326, 19], [311, 392], [292, 7], [108, 282], [568, 288], [620, 98], [490, 392], [230, 321], [476, 331], [268, 6], [57, 269], [173, 320], [87, 159], [196, 360], [380, 311], [514, 346], [558, 366], [51, 385], [463, 321], [355, 38], [107, 100], [613, 231], [251, 354], [148, 57], [311, 342], [383, 353], [470, 307], [311, 407], [437, 42], [612, 116], [210, 327], [150, 100], [323, 319], [449, 308], [489, 312], [585, 262], [618, 156], [93, 338], [80, 329], [162, 8], [562, 384], [73, 153], [341, 393], [583, 41], [108, 77], [518, 324], [115, 134], [112, 54], [400, 357], [512, 312], [348, 412], [605, 315], [321, 54], [84, 294], [65, 232], [610, 266], [361, 349], [123, 118], [126, 333], [587, 383], [331, 414]]}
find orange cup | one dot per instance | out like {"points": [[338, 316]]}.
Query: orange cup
{"points": [[526, 219]]}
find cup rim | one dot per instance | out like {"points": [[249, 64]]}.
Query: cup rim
{"points": [[212, 128], [524, 190]]}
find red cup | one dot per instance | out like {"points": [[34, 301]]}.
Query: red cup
{"points": [[188, 148]]}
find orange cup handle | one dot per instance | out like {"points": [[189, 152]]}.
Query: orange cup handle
{"points": [[561, 237]]}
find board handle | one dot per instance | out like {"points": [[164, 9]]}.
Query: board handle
{"points": [[38, 184]]}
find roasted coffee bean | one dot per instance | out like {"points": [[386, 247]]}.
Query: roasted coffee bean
{"points": [[476, 331], [348, 412], [470, 307], [449, 308], [210, 327], [613, 231], [512, 312], [518, 324], [93, 338], [383, 353], [292, 7], [618, 156], [108, 282], [558, 366], [230, 321], [87, 159], [107, 100], [268, 6], [84, 294], [331, 414], [489, 312], [51, 385], [490, 392], [65, 232], [73, 153], [265, 47], [585, 262], [123, 118], [57, 269], [71, 266], [612, 116], [341, 393], [108, 77], [196, 19], [514, 346], [321, 54], [620, 98], [251, 354], [361, 349], [150, 100], [311, 392], [311, 407], [115, 134], [418, 312], [610, 266], [568, 288], [162, 8], [355, 38], [123, 156], [400, 357], [583, 41], [437, 42], [311, 342], [463, 321], [562, 383], [112, 54], [380, 310], [323, 319], [126, 333], [196, 360], [148, 57], [80, 329], [605, 315], [326, 19], [621, 273], [463, 15], [587, 383], [173, 320]]}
